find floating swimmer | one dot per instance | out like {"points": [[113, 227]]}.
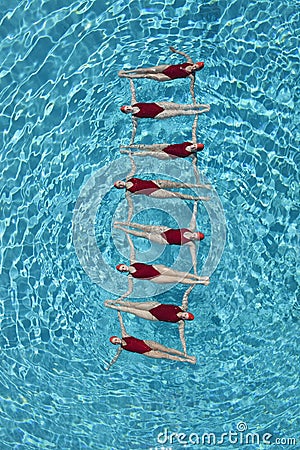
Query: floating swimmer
{"points": [[158, 110], [158, 188], [165, 151], [151, 349], [164, 235], [161, 234], [159, 273], [167, 72], [163, 110]]}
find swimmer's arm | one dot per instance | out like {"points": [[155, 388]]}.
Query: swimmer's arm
{"points": [[194, 130], [132, 172], [123, 330], [130, 285], [192, 88], [192, 247], [185, 300], [114, 358], [130, 289], [134, 128], [133, 94], [134, 120], [181, 335], [130, 206], [132, 252], [188, 58], [194, 217]]}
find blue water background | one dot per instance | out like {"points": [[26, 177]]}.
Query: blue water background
{"points": [[60, 122]]}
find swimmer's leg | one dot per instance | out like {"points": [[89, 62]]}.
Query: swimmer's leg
{"points": [[155, 154], [148, 228], [175, 184], [144, 70], [157, 346], [160, 355], [141, 234], [137, 305]]}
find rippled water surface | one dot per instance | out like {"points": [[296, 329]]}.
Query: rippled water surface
{"points": [[60, 123]]}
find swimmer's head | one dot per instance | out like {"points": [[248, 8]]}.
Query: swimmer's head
{"points": [[197, 236], [197, 66], [195, 147], [186, 316], [122, 268], [119, 184], [115, 340], [126, 109]]}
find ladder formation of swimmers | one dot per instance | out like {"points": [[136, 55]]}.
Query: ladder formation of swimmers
{"points": [[157, 273]]}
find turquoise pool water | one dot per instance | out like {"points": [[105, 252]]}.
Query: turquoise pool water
{"points": [[60, 123]]}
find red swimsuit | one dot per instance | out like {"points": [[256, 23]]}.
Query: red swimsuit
{"points": [[166, 313], [144, 271], [177, 71], [147, 110], [178, 150], [135, 345], [176, 237], [142, 186]]}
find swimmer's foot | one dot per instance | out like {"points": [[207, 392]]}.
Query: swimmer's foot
{"points": [[206, 281], [192, 359]]}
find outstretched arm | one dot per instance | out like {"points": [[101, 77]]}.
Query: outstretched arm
{"points": [[134, 128], [185, 300], [130, 288], [192, 88], [194, 217], [194, 130], [192, 247], [123, 330], [114, 358], [181, 335], [133, 168], [134, 120], [188, 58], [130, 205], [133, 94], [196, 171], [132, 254]]}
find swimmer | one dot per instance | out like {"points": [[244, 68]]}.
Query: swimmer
{"points": [[155, 311], [151, 349], [165, 151], [167, 72], [159, 110], [164, 235], [160, 274], [163, 110], [158, 188], [161, 234]]}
